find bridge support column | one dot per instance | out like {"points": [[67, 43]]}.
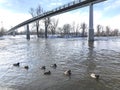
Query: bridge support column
{"points": [[46, 27], [91, 30], [13, 33], [28, 33]]}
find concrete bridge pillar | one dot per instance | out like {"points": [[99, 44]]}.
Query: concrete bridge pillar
{"points": [[91, 30], [13, 33], [28, 33], [46, 27]]}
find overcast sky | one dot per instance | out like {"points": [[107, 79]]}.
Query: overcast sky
{"points": [[13, 12]]}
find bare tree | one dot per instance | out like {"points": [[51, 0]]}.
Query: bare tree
{"points": [[60, 31], [77, 29], [47, 22], [53, 26], [99, 29], [115, 32], [103, 33], [83, 27], [107, 30], [2, 31], [34, 13], [66, 29], [73, 27]]}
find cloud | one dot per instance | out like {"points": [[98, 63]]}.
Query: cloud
{"points": [[111, 22], [11, 19], [3, 1], [56, 4], [112, 4]]}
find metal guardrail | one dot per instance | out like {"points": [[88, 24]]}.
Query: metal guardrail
{"points": [[58, 10]]}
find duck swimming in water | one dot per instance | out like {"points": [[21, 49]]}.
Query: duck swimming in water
{"points": [[16, 64], [47, 73], [26, 67], [67, 72], [54, 65], [43, 67], [96, 76]]}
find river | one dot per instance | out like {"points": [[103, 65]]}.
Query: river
{"points": [[82, 58]]}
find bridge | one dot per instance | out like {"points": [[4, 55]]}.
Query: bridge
{"points": [[61, 9]]}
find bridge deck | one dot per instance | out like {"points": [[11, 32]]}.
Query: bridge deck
{"points": [[64, 8]]}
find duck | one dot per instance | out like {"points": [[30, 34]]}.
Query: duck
{"points": [[95, 76], [26, 67], [43, 67], [16, 64], [67, 72], [54, 65], [47, 73]]}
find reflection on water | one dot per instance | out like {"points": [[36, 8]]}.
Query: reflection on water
{"points": [[101, 56], [91, 57]]}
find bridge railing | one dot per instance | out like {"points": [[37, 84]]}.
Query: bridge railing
{"points": [[61, 7], [67, 5]]}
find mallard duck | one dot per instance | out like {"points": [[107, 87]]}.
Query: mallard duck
{"points": [[26, 67], [16, 64], [54, 65], [47, 73], [43, 67], [96, 76], [67, 72]]}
